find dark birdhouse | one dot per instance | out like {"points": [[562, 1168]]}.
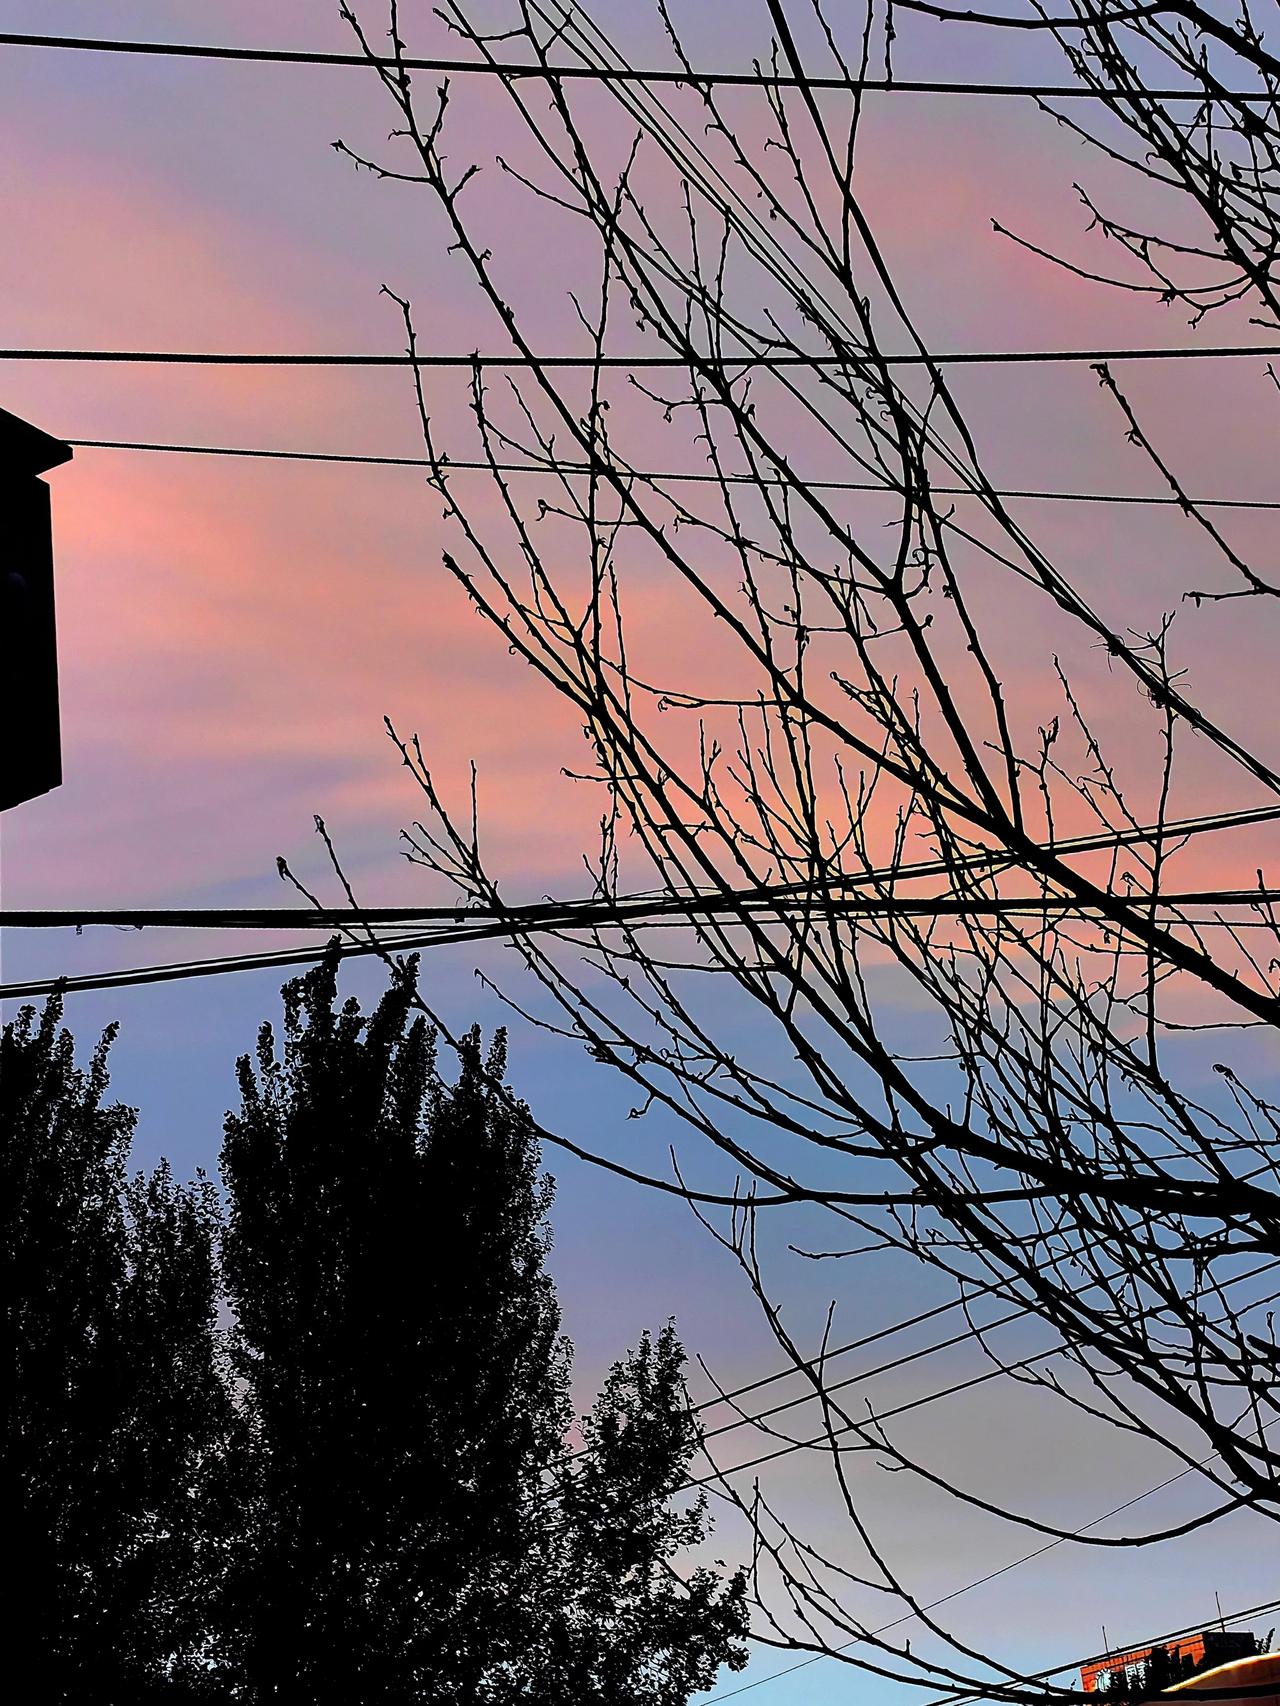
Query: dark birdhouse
{"points": [[31, 747]]}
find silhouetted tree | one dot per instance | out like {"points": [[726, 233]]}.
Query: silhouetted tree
{"points": [[628, 1628], [113, 1403], [406, 1394], [179, 1424]]}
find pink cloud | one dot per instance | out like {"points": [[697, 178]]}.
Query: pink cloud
{"points": [[233, 633]]}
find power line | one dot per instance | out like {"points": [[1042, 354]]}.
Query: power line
{"points": [[178, 971], [510, 69], [890, 1367], [828, 1437], [1019, 1314], [825, 1439], [994, 1575], [446, 465], [501, 925], [471, 362], [560, 915], [843, 1350], [984, 1289], [700, 362], [971, 1333], [928, 1398], [579, 914]]}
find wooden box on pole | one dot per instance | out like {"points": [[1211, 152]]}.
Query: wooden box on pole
{"points": [[32, 748]]}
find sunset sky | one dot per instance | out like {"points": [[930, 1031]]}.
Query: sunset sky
{"points": [[232, 634]]}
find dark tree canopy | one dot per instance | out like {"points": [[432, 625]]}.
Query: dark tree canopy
{"points": [[630, 1630], [413, 1531], [367, 1496], [399, 1344], [113, 1402]]}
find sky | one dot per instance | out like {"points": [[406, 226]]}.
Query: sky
{"points": [[233, 633]]}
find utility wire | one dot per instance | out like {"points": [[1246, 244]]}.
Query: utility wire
{"points": [[1004, 1569], [892, 1331], [828, 1437], [577, 914], [571, 25], [755, 1418], [1023, 1311], [971, 1333], [208, 968], [447, 465], [983, 1289], [754, 79], [702, 363], [501, 926], [562, 917]]}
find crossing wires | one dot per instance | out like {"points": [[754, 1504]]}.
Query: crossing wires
{"points": [[466, 924]]}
